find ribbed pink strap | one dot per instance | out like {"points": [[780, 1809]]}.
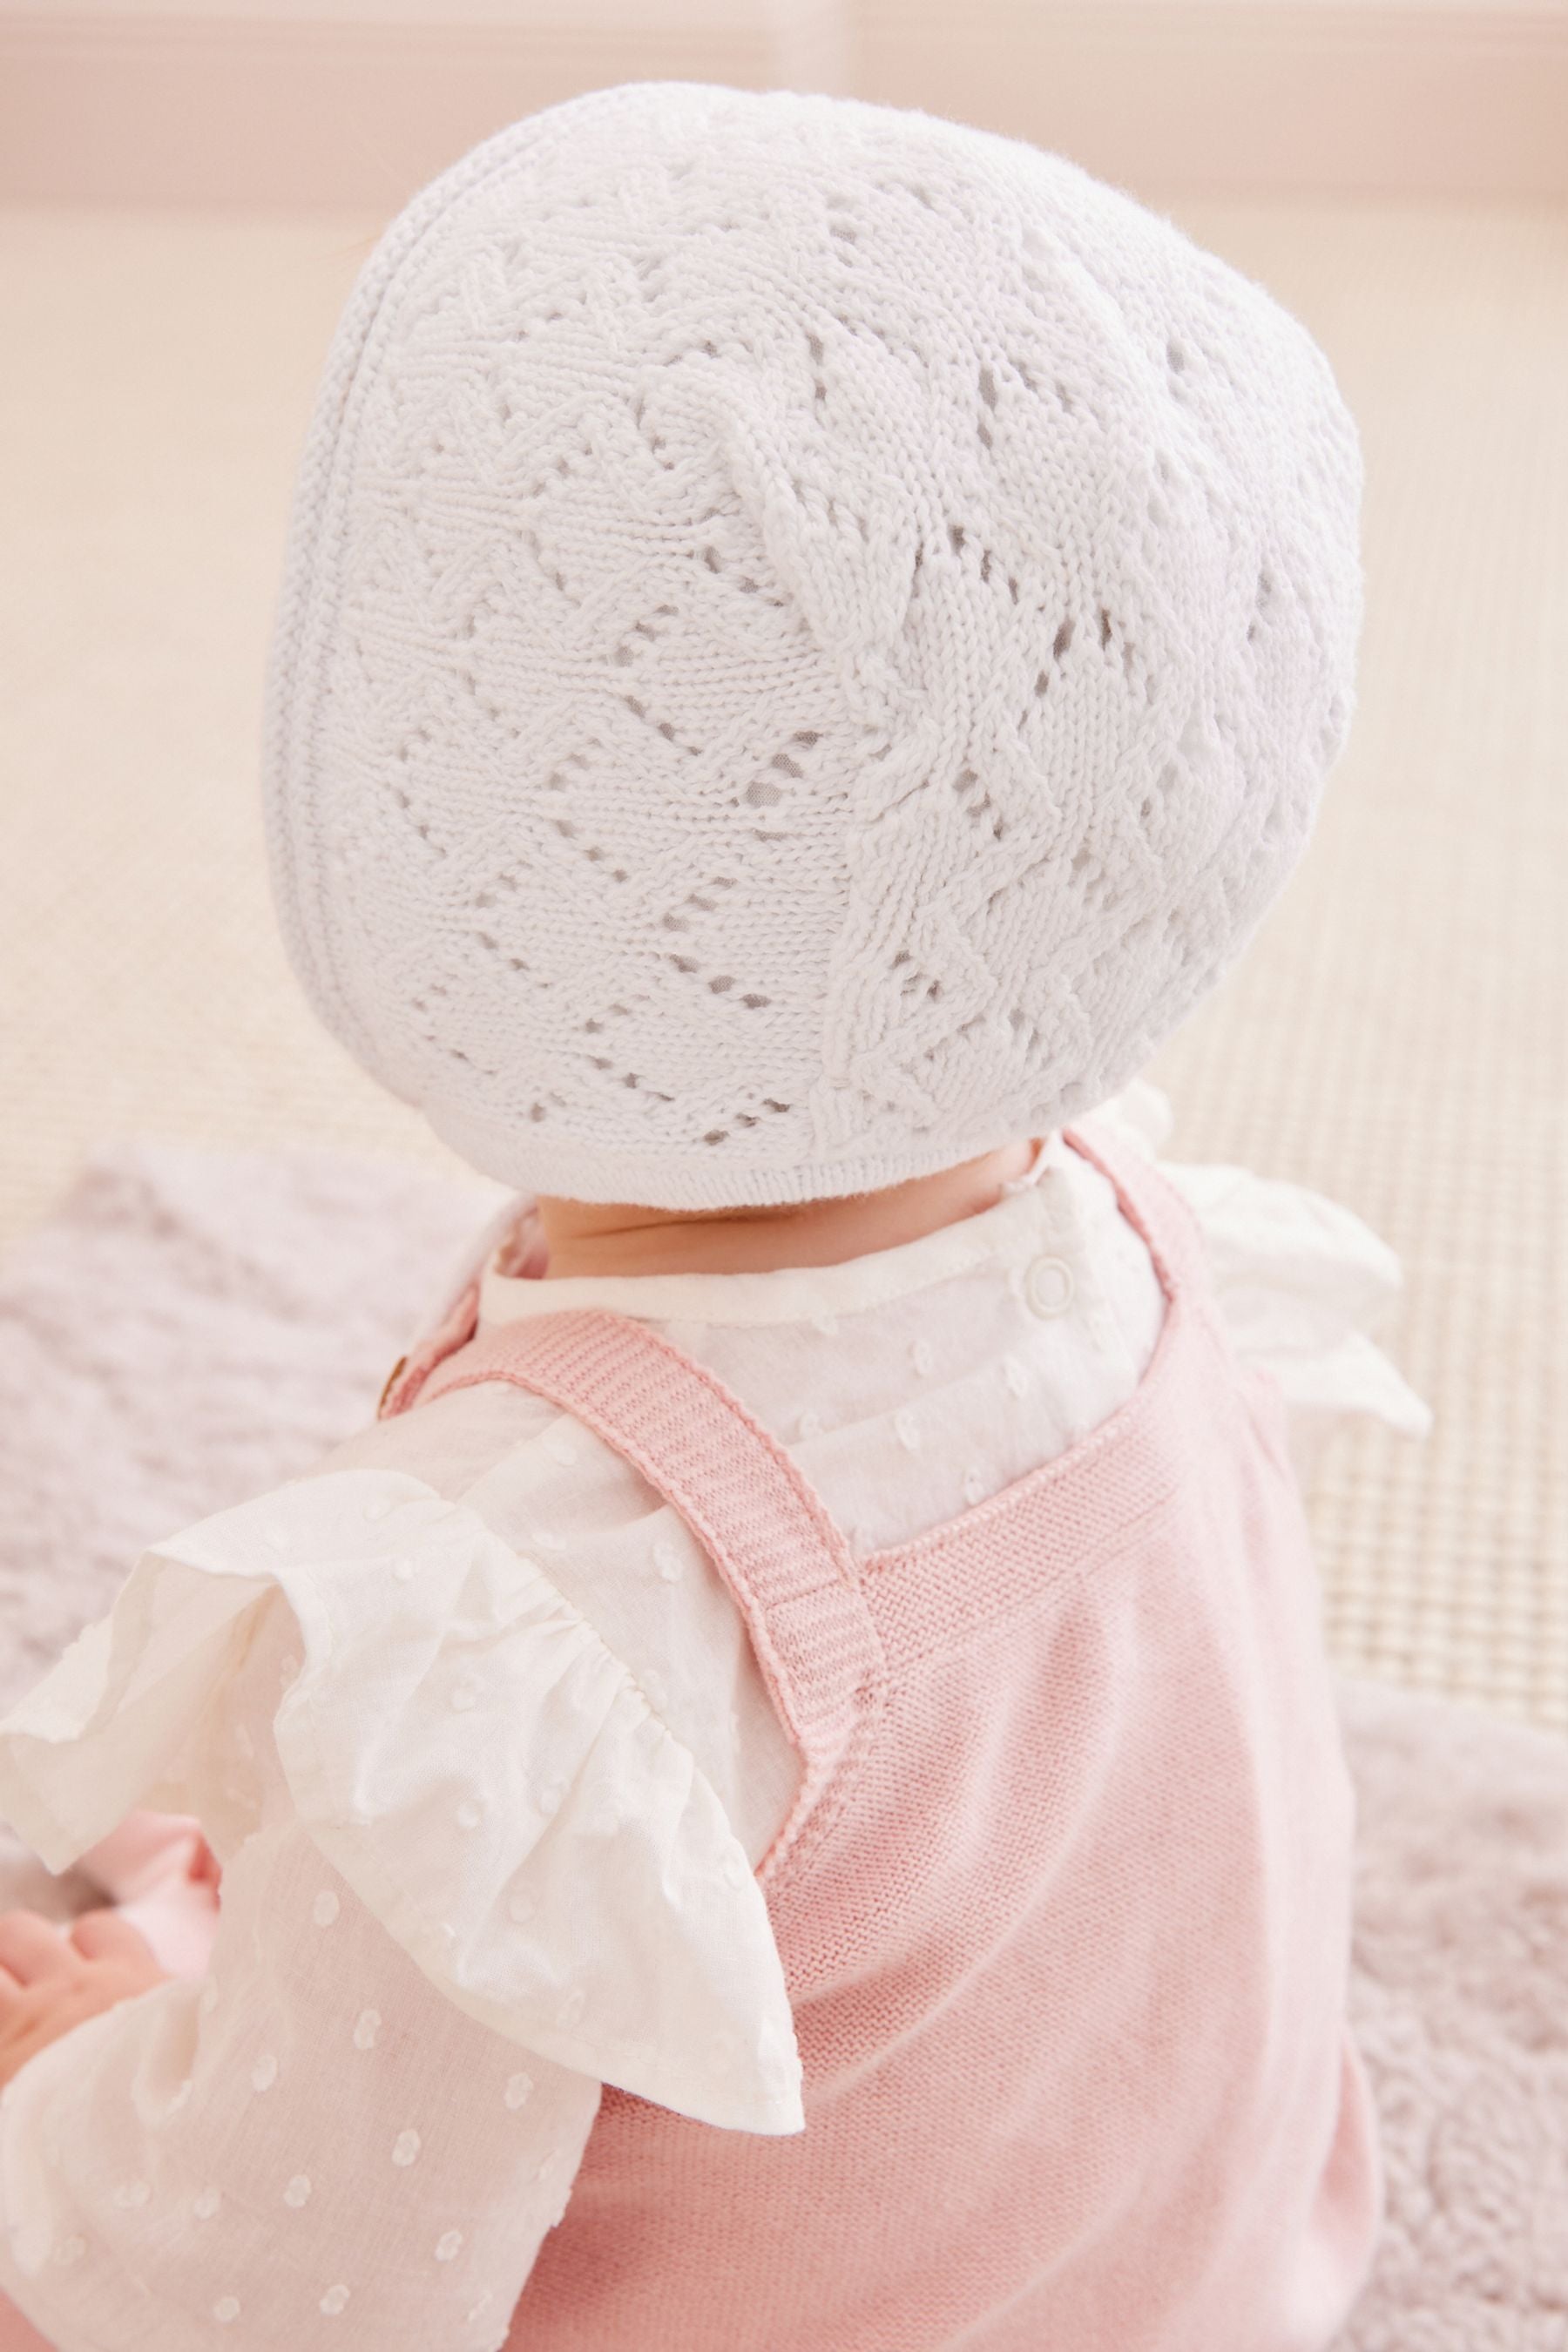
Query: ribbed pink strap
{"points": [[408, 1376], [1151, 1206], [759, 1519], [823, 1652]]}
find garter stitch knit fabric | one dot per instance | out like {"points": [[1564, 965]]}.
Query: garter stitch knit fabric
{"points": [[812, 635]]}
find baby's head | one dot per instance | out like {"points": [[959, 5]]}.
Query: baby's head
{"points": [[812, 636]]}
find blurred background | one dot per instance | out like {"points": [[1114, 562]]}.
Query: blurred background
{"points": [[186, 190]]}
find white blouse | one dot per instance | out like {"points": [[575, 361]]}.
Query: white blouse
{"points": [[475, 1730]]}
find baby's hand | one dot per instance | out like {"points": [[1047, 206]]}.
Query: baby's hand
{"points": [[49, 1982]]}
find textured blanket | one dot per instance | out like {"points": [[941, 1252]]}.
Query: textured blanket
{"points": [[193, 1327]]}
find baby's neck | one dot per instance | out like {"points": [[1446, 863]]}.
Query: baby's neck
{"points": [[613, 1237]]}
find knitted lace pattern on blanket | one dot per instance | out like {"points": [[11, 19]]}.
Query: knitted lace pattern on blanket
{"points": [[812, 635]]}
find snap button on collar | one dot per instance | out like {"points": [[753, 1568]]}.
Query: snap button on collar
{"points": [[1048, 1286]]}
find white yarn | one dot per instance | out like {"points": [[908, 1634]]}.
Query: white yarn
{"points": [[812, 635]]}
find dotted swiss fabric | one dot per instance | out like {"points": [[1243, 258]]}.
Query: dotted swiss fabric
{"points": [[811, 638], [413, 1696]]}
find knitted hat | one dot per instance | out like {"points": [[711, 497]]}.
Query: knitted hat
{"points": [[812, 635]]}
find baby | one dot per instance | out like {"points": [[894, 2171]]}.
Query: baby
{"points": [[785, 1795]]}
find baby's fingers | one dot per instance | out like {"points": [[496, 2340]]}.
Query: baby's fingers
{"points": [[105, 1935], [31, 1951]]}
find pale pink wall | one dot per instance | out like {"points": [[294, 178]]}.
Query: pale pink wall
{"points": [[1387, 97], [355, 102]]}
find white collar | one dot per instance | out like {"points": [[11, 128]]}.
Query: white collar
{"points": [[1030, 1217]]}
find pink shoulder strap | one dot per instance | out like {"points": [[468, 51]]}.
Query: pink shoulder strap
{"points": [[1153, 1208], [767, 1531]]}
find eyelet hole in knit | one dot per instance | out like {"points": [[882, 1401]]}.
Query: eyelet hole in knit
{"points": [[661, 523]]}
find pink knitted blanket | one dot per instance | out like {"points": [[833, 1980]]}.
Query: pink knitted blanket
{"points": [[191, 1326]]}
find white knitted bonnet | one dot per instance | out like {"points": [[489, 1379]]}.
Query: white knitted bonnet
{"points": [[812, 635]]}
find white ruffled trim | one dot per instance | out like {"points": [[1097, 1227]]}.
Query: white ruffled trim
{"points": [[1299, 1280], [463, 1748]]}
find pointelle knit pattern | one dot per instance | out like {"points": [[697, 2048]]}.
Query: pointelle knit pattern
{"points": [[812, 634]]}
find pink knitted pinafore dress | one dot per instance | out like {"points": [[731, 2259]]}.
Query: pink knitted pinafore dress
{"points": [[1064, 1905]]}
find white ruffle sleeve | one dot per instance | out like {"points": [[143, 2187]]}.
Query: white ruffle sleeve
{"points": [[470, 1875], [460, 1745], [1301, 1283]]}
